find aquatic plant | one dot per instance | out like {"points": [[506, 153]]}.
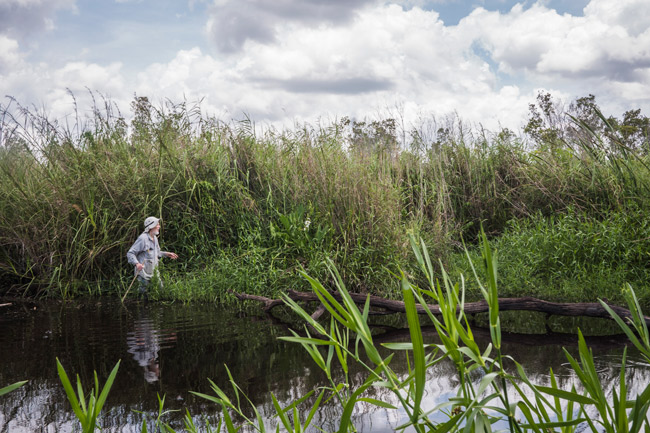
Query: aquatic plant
{"points": [[496, 400], [9, 388], [87, 412]]}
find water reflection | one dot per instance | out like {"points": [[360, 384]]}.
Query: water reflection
{"points": [[173, 349], [144, 344]]}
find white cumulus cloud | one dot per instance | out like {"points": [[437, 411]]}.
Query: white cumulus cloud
{"points": [[385, 57], [42, 86], [10, 56], [232, 23], [290, 60], [605, 52], [609, 41]]}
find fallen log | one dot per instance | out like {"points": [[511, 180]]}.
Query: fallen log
{"points": [[587, 309]]}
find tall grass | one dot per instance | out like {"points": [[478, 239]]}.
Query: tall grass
{"points": [[246, 209], [573, 257]]}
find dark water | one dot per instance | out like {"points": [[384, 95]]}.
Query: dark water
{"points": [[173, 349]]}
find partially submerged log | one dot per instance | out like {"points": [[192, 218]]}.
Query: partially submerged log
{"points": [[587, 309]]}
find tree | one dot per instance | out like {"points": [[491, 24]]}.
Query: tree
{"points": [[378, 136], [545, 124], [549, 124], [634, 130], [142, 119]]}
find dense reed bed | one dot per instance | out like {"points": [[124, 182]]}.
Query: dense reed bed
{"points": [[247, 207]]}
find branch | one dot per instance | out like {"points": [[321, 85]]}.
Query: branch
{"points": [[588, 309]]}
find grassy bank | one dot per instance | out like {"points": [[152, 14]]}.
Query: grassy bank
{"points": [[572, 258], [246, 209]]}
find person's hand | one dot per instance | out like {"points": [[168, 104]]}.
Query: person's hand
{"points": [[139, 267], [172, 256]]}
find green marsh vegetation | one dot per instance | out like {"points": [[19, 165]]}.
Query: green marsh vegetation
{"points": [[493, 392], [248, 208]]}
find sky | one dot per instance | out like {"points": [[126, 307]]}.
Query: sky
{"points": [[283, 62]]}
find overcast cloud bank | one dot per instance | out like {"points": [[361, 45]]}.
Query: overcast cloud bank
{"points": [[286, 61]]}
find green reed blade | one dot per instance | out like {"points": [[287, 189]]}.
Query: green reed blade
{"points": [[72, 398], [11, 387], [107, 387], [314, 409], [418, 346]]}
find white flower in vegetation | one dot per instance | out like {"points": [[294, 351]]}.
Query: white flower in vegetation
{"points": [[307, 223]]}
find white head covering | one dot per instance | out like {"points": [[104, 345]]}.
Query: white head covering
{"points": [[150, 223]]}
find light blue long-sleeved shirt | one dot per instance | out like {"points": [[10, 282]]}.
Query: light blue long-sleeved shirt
{"points": [[145, 250]]}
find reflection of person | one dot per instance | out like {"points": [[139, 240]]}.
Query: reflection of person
{"points": [[144, 345], [145, 253]]}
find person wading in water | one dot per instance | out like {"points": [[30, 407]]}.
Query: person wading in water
{"points": [[145, 253]]}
